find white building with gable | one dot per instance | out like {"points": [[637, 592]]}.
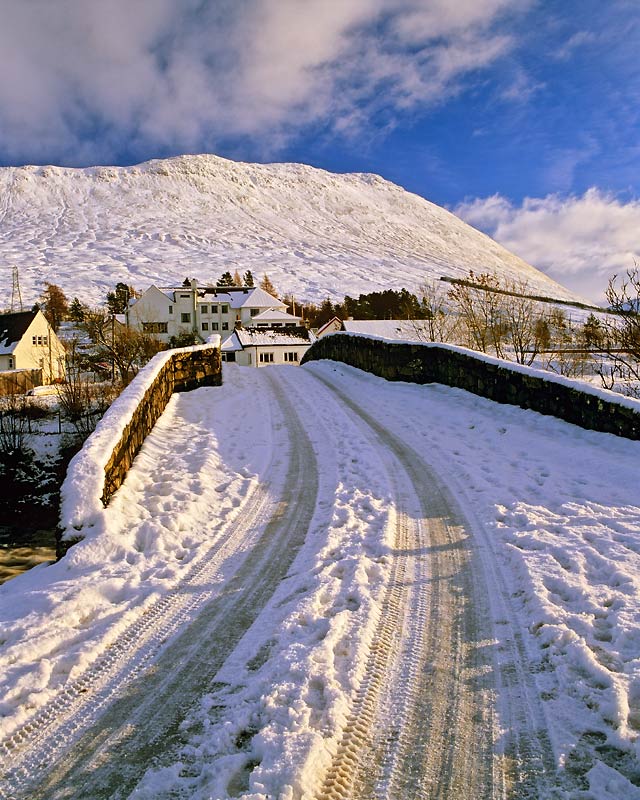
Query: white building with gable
{"points": [[259, 347], [203, 310]]}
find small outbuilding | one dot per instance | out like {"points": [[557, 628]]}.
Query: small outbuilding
{"points": [[262, 347]]}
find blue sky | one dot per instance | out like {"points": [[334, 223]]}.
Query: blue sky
{"points": [[521, 116]]}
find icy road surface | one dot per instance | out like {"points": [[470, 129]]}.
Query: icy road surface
{"points": [[316, 584]]}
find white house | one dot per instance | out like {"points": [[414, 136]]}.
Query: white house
{"points": [[260, 347], [28, 342], [203, 310]]}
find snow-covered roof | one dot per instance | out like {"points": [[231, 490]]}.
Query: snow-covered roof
{"points": [[275, 315], [252, 337], [258, 298], [405, 329], [238, 296], [231, 344], [12, 328]]}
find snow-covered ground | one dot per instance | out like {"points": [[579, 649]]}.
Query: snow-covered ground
{"points": [[199, 216], [553, 516]]}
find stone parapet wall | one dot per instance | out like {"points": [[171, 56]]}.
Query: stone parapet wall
{"points": [[491, 378], [100, 467], [184, 371]]}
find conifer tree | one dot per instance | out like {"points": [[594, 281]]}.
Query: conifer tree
{"points": [[248, 279], [77, 310], [268, 287], [237, 280], [226, 279]]}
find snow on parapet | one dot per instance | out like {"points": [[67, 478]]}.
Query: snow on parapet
{"points": [[550, 377], [81, 507]]}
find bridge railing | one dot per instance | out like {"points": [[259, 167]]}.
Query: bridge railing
{"points": [[496, 379], [99, 469]]}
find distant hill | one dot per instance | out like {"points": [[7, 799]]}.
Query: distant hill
{"points": [[316, 234]]}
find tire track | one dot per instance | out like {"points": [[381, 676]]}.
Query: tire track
{"points": [[139, 712], [437, 717]]}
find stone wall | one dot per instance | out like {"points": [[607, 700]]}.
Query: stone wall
{"points": [[430, 363], [184, 371]]}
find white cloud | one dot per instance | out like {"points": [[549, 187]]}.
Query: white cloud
{"points": [[573, 43], [78, 79], [579, 241]]}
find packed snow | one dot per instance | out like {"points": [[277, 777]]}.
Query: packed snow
{"points": [[82, 490], [554, 509], [199, 216]]}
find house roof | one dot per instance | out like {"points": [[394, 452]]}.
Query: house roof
{"points": [[12, 328], [265, 337], [231, 344], [406, 329], [235, 296], [275, 315], [329, 324]]}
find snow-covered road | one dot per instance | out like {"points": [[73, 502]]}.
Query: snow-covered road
{"points": [[317, 584]]}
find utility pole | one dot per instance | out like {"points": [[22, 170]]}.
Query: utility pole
{"points": [[16, 297]]}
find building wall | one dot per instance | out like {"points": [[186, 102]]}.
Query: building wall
{"points": [[40, 349], [189, 313], [251, 356]]}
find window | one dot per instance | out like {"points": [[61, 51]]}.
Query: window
{"points": [[45, 340], [10, 362], [205, 326], [214, 309], [204, 309], [254, 312], [154, 327], [225, 326], [40, 341], [224, 308], [214, 326], [185, 317], [171, 309], [185, 295], [266, 358], [249, 354], [34, 340], [291, 356]]}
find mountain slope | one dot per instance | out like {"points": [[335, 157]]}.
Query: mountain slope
{"points": [[315, 233]]}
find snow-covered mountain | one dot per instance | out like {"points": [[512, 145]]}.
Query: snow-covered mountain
{"points": [[316, 234]]}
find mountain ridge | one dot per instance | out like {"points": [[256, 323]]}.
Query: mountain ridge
{"points": [[315, 233]]}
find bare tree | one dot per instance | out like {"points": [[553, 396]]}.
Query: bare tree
{"points": [[82, 400], [54, 304], [621, 367], [525, 328], [480, 307], [126, 348], [439, 323], [13, 421]]}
